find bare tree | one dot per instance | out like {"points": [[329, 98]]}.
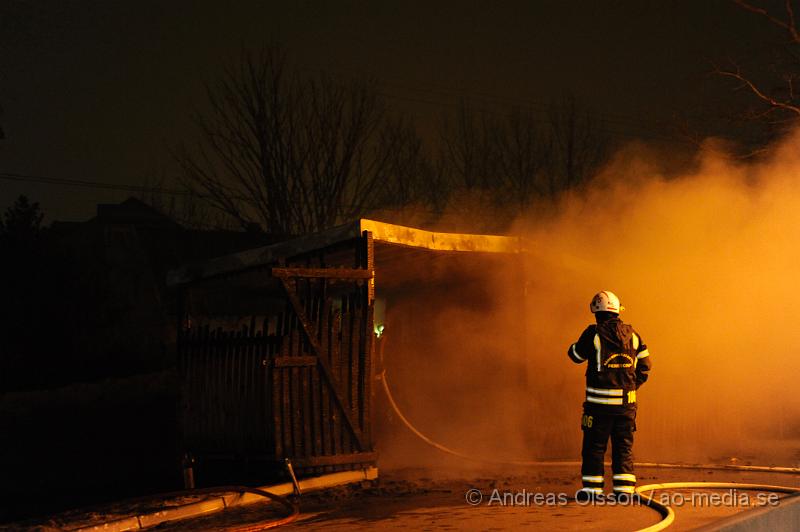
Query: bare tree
{"points": [[413, 179], [524, 157], [774, 87], [295, 154], [577, 145], [469, 156], [22, 222], [508, 159]]}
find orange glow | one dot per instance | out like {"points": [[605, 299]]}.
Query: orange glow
{"points": [[706, 263]]}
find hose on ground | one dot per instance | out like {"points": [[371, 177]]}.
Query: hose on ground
{"points": [[384, 381], [448, 450], [292, 508], [667, 513]]}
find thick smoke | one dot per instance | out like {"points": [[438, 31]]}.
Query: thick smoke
{"points": [[706, 262]]}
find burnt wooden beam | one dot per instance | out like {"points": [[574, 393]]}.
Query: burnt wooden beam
{"points": [[324, 273], [367, 355], [253, 258], [382, 232]]}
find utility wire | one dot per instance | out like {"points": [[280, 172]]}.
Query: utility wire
{"points": [[648, 135], [527, 103], [8, 176]]}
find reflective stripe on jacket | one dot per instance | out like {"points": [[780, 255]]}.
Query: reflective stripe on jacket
{"points": [[618, 363]]}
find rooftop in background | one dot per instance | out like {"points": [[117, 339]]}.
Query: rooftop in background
{"points": [[133, 211]]}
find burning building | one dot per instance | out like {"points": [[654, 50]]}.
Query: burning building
{"points": [[279, 346]]}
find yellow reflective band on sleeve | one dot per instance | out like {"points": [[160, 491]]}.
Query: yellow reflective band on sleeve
{"points": [[576, 355], [624, 489], [597, 349], [635, 341], [604, 400], [625, 476], [632, 396], [589, 478], [643, 354], [605, 391]]}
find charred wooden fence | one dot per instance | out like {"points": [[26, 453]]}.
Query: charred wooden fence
{"points": [[276, 362]]}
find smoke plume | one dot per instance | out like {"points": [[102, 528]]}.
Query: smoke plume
{"points": [[706, 261]]}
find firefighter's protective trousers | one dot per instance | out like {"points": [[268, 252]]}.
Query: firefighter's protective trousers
{"points": [[598, 428]]}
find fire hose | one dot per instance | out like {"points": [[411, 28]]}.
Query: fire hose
{"points": [[293, 511], [667, 513], [293, 508]]}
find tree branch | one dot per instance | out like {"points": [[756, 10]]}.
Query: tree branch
{"points": [[753, 88], [789, 25]]}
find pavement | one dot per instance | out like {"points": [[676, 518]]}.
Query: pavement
{"points": [[541, 497]]}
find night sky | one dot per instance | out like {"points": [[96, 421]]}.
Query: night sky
{"points": [[100, 90]]}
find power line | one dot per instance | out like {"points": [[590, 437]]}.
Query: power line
{"points": [[143, 189], [613, 118], [648, 135], [8, 176], [618, 119]]}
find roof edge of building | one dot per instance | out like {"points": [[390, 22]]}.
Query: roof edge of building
{"points": [[381, 232]]}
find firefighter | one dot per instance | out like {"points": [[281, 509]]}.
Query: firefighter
{"points": [[618, 363]]}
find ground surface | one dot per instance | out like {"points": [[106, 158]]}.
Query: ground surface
{"points": [[416, 499]]}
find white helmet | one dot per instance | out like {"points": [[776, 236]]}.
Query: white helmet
{"points": [[605, 301]]}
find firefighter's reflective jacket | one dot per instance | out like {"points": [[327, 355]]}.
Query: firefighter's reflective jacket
{"points": [[617, 365]]}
